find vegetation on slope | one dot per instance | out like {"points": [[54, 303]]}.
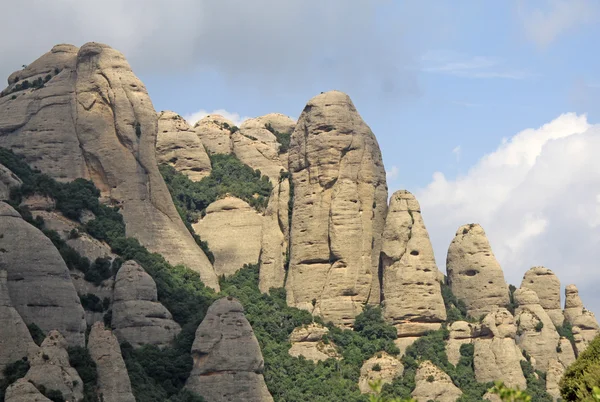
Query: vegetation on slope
{"points": [[582, 376], [282, 138]]}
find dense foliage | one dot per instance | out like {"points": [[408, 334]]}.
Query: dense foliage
{"points": [[580, 378], [80, 360], [282, 138], [456, 310], [12, 372]]}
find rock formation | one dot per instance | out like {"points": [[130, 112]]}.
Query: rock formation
{"points": [[382, 367], [8, 180], [179, 146], [228, 362], [92, 118], [15, 339], [461, 332], [39, 284], [24, 391], [51, 369], [340, 203], [536, 333], [137, 316], [113, 379], [585, 326], [308, 341], [434, 384], [547, 286], [497, 357], [411, 290], [214, 132], [277, 121], [553, 376], [233, 230], [474, 275]]}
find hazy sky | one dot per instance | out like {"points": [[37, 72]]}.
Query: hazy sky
{"points": [[485, 110]]}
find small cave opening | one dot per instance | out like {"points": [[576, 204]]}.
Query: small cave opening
{"points": [[471, 272], [414, 252]]}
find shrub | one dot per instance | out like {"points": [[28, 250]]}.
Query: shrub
{"points": [[580, 378], [80, 360], [376, 367], [282, 138], [36, 333], [91, 302], [539, 326], [12, 372]]}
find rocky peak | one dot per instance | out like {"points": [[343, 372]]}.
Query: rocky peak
{"points": [[433, 384], [340, 204], [474, 275], [411, 288], [214, 132], [179, 146], [584, 323], [24, 391], [547, 286], [228, 363]]}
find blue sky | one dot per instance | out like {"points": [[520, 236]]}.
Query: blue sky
{"points": [[441, 84]]}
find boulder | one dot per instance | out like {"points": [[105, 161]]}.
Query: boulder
{"points": [[340, 204], [547, 286], [51, 369], [24, 391], [137, 316], [233, 230], [474, 275], [15, 339], [8, 180], [433, 384], [277, 122], [93, 119], [38, 280], [381, 366], [411, 290], [228, 363], [179, 146], [214, 132], [584, 323], [113, 379], [308, 341]]}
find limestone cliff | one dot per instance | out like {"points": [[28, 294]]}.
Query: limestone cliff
{"points": [[83, 113], [228, 363], [340, 203]]}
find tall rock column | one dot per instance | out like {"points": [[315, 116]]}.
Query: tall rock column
{"points": [[340, 203], [411, 290], [585, 326], [547, 286], [474, 275]]}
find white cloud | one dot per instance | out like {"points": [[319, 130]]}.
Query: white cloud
{"points": [[460, 65], [456, 152], [392, 174], [544, 25], [537, 198], [234, 117]]}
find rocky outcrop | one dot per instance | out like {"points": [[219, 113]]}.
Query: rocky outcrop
{"points": [[434, 384], [228, 363], [474, 275], [214, 132], [411, 290], [536, 333], [547, 286], [113, 379], [277, 122], [553, 376], [51, 369], [8, 180], [15, 339], [137, 316], [340, 204], [233, 230], [308, 341], [497, 356], [382, 367], [585, 326], [461, 332], [38, 283], [179, 146], [24, 391], [93, 119]]}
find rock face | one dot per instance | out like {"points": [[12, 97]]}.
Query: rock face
{"points": [[382, 367], [93, 119], [434, 384], [113, 379], [228, 363], [308, 341], [38, 280], [547, 286], [461, 332], [585, 326], [138, 317], [340, 204], [411, 291], [24, 391], [497, 356], [179, 146], [15, 339], [474, 275], [233, 230], [553, 376], [277, 121], [50, 368], [214, 132], [8, 180], [537, 333]]}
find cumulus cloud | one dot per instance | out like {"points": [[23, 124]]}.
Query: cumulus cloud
{"points": [[265, 42], [234, 117], [537, 196], [544, 25]]}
